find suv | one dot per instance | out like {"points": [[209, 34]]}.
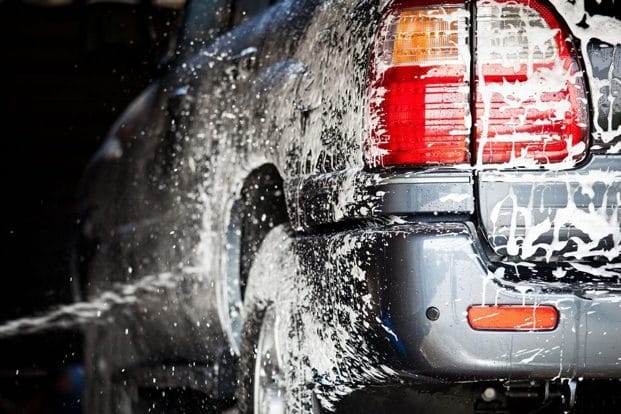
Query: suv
{"points": [[364, 205]]}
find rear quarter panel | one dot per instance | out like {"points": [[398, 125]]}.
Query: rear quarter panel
{"points": [[285, 88]]}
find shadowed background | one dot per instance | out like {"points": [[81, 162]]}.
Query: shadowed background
{"points": [[68, 70]]}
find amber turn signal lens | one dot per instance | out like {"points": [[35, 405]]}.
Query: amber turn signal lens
{"points": [[513, 318], [426, 36]]}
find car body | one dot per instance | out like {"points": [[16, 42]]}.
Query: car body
{"points": [[245, 175]]}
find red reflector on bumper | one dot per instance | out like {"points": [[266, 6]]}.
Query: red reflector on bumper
{"points": [[513, 318]]}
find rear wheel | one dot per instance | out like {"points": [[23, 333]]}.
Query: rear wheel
{"points": [[262, 389], [268, 387]]}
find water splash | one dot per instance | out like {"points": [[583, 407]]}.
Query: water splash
{"points": [[94, 311]]}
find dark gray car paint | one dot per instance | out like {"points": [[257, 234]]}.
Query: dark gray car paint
{"points": [[298, 73]]}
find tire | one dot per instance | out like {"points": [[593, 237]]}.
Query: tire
{"points": [[247, 361], [268, 297], [261, 374]]}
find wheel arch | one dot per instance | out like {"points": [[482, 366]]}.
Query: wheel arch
{"points": [[257, 206]]}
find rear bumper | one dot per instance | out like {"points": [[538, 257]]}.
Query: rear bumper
{"points": [[441, 266]]}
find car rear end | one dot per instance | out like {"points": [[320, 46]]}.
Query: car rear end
{"points": [[501, 89], [493, 164]]}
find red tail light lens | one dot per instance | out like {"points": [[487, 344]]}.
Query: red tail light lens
{"points": [[530, 97], [420, 87], [530, 94]]}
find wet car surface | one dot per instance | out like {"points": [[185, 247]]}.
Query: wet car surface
{"points": [[327, 204]]}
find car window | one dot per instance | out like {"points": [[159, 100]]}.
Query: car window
{"points": [[245, 9]]}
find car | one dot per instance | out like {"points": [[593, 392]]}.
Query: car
{"points": [[364, 205]]}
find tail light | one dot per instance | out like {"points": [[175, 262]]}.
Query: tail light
{"points": [[420, 87], [528, 101], [530, 94]]}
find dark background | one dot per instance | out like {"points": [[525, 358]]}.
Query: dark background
{"points": [[66, 73]]}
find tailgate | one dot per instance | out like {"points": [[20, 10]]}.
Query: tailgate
{"points": [[571, 214], [568, 214]]}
